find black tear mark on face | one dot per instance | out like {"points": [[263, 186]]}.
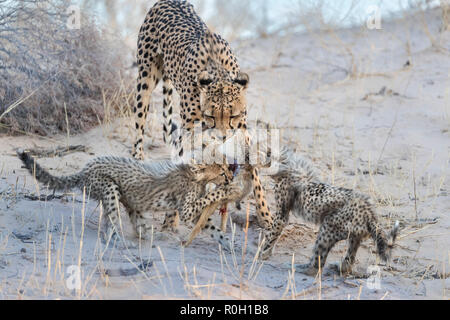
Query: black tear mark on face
{"points": [[243, 79], [205, 82], [242, 82]]}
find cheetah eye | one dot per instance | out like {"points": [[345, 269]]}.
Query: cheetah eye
{"points": [[241, 82], [237, 115], [242, 79], [225, 176]]}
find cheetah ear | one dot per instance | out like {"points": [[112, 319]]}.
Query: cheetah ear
{"points": [[204, 80], [242, 79]]}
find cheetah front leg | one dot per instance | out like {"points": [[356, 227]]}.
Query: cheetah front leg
{"points": [[168, 126], [149, 76], [325, 241], [353, 244], [284, 202], [263, 212], [271, 236], [111, 211]]}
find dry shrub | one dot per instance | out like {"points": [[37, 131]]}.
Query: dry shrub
{"points": [[445, 5], [53, 70]]}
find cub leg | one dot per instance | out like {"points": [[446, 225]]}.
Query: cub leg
{"points": [[324, 243], [353, 245], [271, 236], [111, 210], [141, 225]]}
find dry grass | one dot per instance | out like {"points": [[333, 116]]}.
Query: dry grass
{"points": [[53, 77]]}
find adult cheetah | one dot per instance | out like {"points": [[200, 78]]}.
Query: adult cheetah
{"points": [[142, 187], [341, 213], [175, 45]]}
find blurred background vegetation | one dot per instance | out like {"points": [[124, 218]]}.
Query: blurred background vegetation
{"points": [[259, 18]]}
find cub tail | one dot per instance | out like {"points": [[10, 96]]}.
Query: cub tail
{"points": [[384, 243], [43, 176]]}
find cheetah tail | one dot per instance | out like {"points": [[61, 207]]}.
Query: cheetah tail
{"points": [[43, 176], [384, 243], [393, 234]]}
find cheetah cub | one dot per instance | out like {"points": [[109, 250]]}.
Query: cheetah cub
{"points": [[342, 214], [142, 187]]}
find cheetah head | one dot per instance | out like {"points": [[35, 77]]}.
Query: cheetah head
{"points": [[215, 173], [223, 102]]}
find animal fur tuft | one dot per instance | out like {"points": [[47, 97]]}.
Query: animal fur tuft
{"points": [[393, 234], [384, 244], [290, 163]]}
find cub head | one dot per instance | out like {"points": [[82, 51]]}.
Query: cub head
{"points": [[213, 173], [223, 102]]}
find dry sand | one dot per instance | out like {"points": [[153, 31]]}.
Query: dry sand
{"points": [[371, 109]]}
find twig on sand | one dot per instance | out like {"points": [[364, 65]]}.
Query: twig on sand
{"points": [[24, 237], [415, 231], [415, 190], [389, 135], [383, 92], [123, 272]]}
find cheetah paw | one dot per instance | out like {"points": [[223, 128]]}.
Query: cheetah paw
{"points": [[347, 271], [306, 269], [113, 238], [342, 269]]}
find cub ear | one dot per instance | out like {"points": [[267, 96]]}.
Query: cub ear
{"points": [[242, 79], [198, 172], [204, 80]]}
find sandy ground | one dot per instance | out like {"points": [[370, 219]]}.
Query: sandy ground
{"points": [[370, 109]]}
